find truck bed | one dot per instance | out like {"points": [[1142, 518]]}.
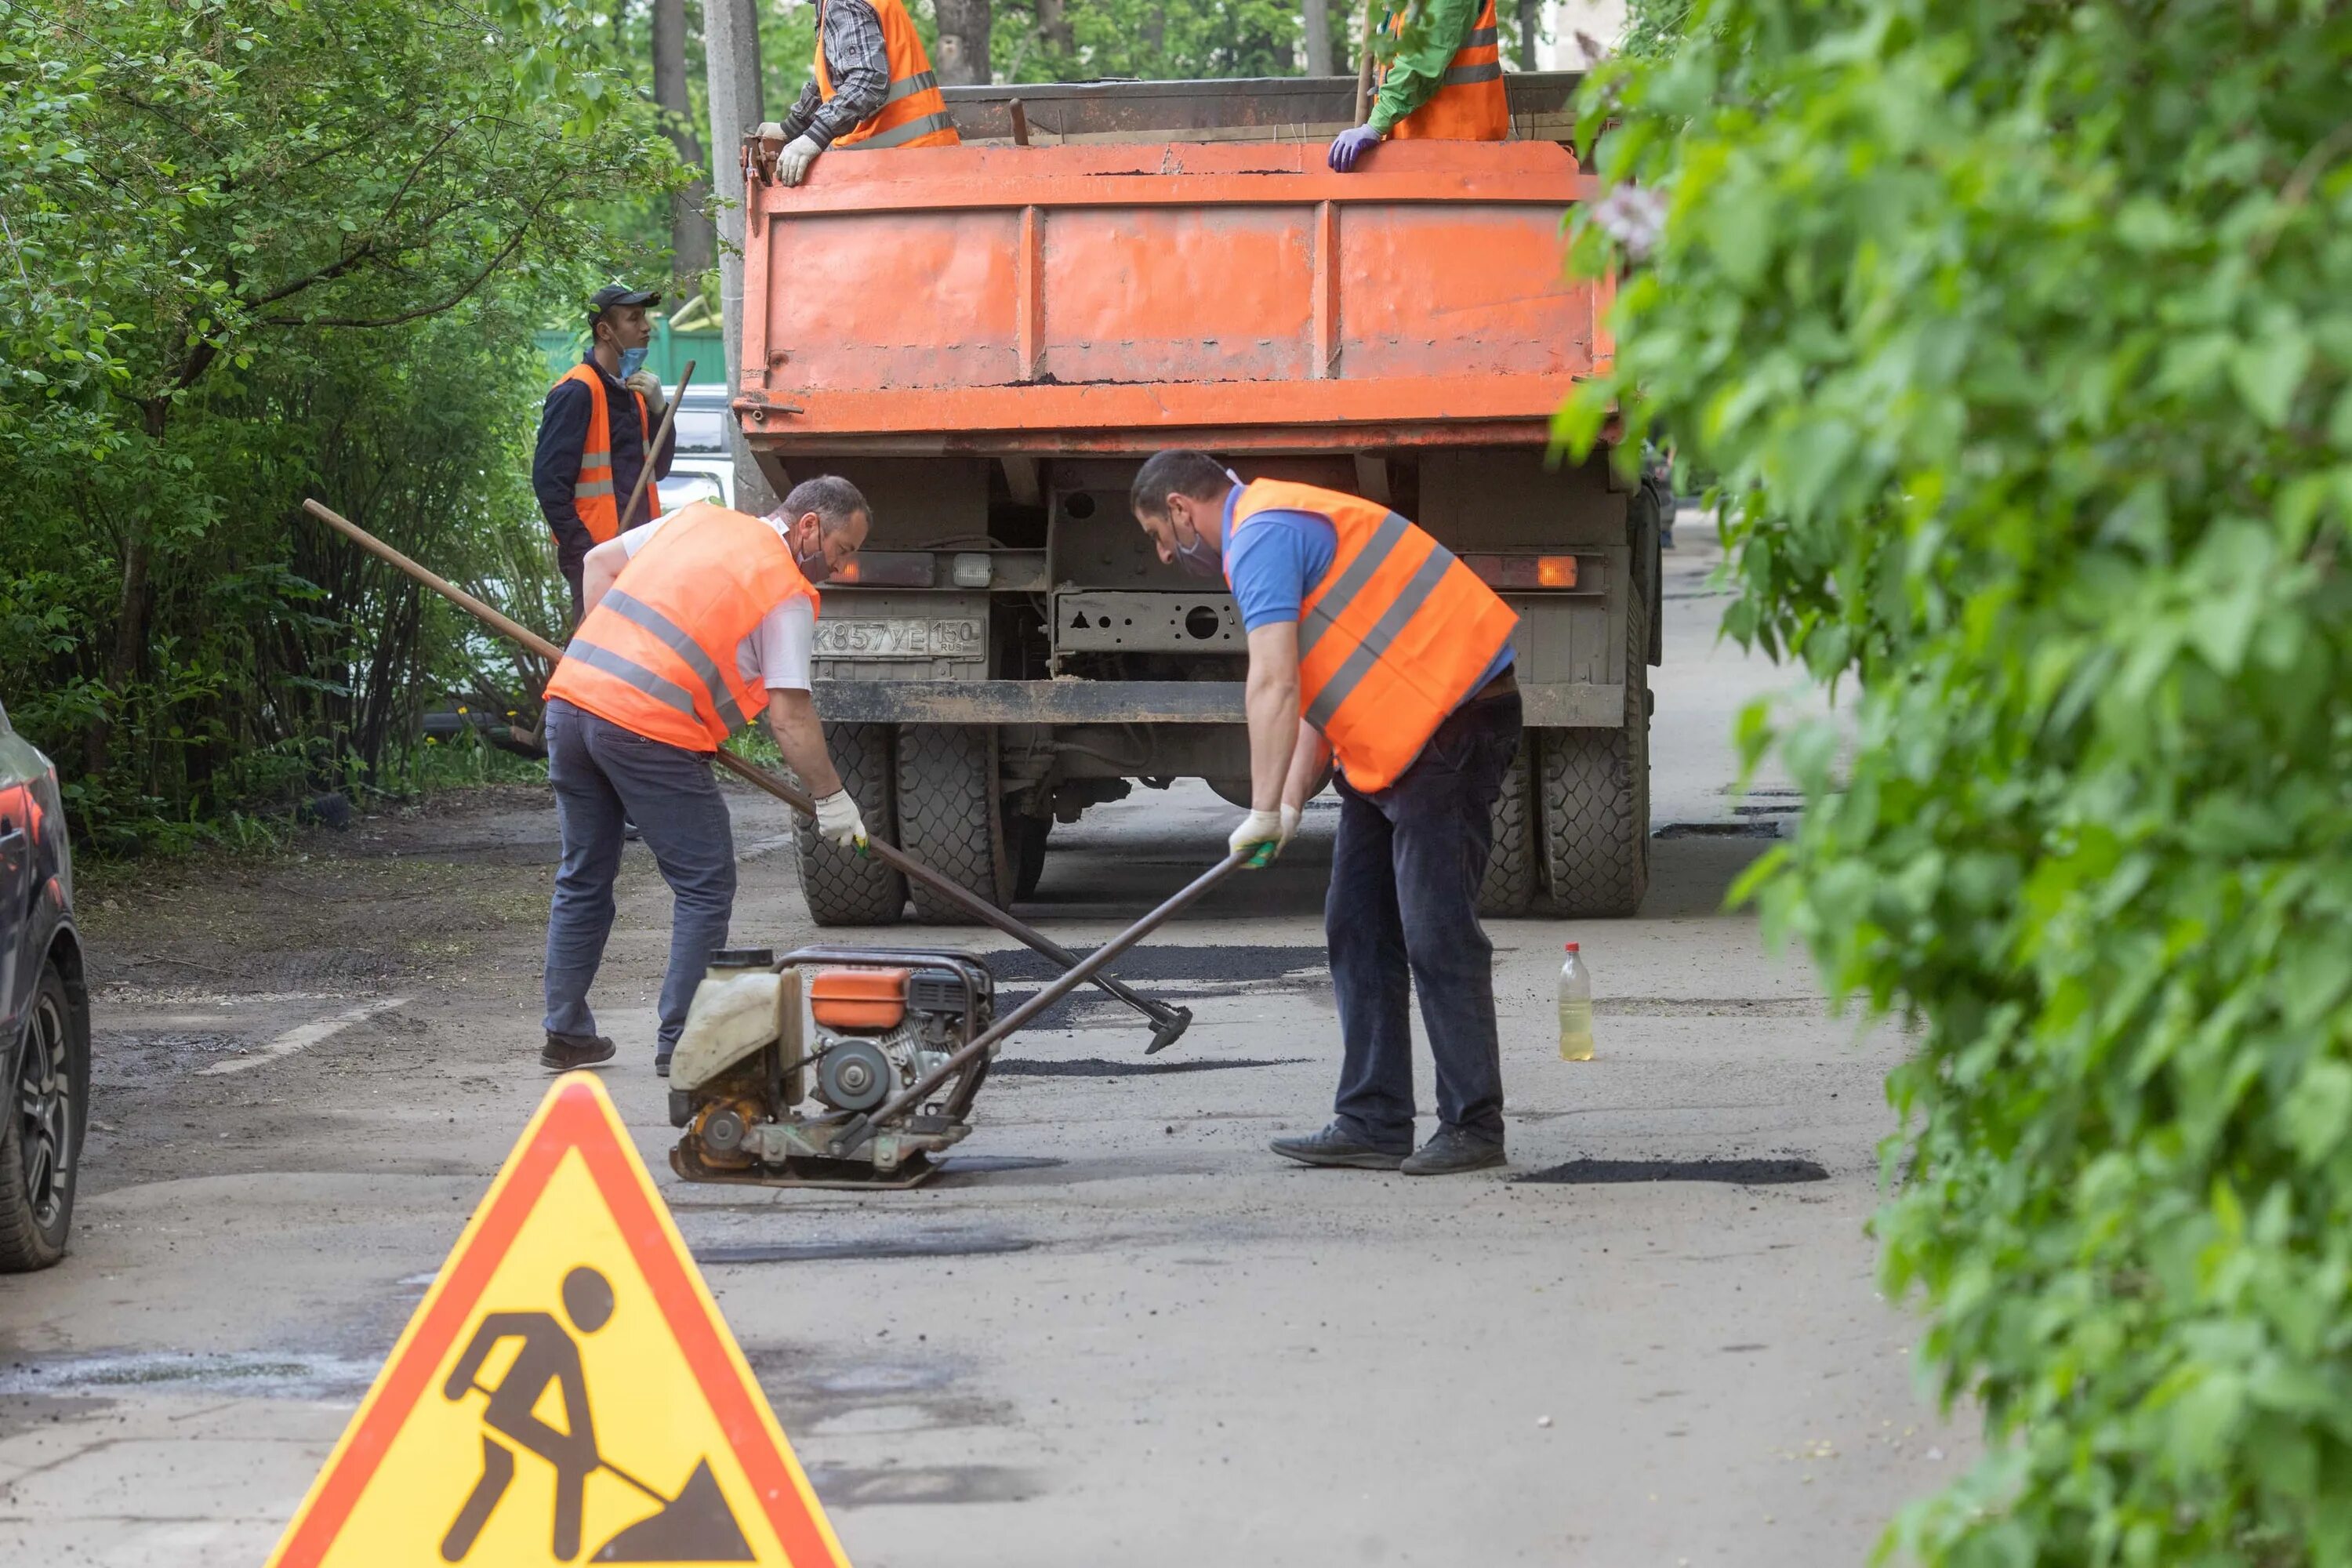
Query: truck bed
{"points": [[1116, 298]]}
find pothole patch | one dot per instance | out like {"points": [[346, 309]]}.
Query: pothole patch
{"points": [[275, 1375], [1103, 1067], [1765, 1173]]}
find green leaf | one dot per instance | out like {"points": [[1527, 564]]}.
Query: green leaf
{"points": [[2268, 370]]}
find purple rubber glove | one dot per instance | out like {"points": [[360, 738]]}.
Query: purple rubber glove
{"points": [[1352, 145]]}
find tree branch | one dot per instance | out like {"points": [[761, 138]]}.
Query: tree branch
{"points": [[514, 242]]}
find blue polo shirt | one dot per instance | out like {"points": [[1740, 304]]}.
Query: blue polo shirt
{"points": [[1280, 559]]}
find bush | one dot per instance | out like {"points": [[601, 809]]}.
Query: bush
{"points": [[2019, 335]]}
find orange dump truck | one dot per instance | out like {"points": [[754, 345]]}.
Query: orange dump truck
{"points": [[989, 339]]}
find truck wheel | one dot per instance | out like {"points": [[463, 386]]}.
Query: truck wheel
{"points": [[843, 887], [946, 817], [42, 1118], [1511, 866], [1596, 797]]}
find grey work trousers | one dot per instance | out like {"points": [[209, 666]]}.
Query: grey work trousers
{"points": [[604, 774]]}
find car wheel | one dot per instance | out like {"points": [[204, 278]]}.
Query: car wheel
{"points": [[40, 1141]]}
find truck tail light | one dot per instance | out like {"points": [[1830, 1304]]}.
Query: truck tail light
{"points": [[1524, 571], [888, 569]]}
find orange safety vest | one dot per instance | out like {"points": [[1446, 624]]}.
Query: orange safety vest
{"points": [[592, 492], [1470, 104], [1392, 639], [913, 113], [657, 656]]}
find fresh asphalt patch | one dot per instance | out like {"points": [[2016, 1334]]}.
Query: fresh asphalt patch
{"points": [[1103, 1067], [1737, 1173], [1213, 969]]}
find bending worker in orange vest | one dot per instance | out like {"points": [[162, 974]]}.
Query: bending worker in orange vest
{"points": [[1369, 642], [1450, 89], [593, 433], [695, 623], [872, 87]]}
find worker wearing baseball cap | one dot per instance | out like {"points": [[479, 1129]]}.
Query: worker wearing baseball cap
{"points": [[594, 431]]}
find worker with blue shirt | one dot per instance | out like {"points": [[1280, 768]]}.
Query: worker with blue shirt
{"points": [[1370, 645]]}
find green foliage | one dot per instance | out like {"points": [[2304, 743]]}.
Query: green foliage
{"points": [[2022, 337], [262, 250]]}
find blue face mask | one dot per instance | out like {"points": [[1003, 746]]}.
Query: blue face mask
{"points": [[1198, 559], [632, 361]]}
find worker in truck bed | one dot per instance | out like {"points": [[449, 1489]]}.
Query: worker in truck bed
{"points": [[593, 434], [872, 87], [1369, 642], [696, 622], [1450, 89]]}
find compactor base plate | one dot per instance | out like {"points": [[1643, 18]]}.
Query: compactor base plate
{"points": [[836, 1175]]}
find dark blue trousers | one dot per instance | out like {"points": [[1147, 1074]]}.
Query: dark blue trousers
{"points": [[604, 773], [1404, 907]]}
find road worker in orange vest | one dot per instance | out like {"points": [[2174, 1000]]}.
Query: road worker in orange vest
{"points": [[1370, 645], [593, 433], [1450, 89], [697, 622], [872, 87]]}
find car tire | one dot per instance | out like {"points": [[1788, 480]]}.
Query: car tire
{"points": [[41, 1125]]}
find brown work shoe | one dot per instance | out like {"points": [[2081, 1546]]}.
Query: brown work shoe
{"points": [[564, 1052]]}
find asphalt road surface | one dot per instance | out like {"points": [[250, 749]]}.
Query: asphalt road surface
{"points": [[1123, 1332]]}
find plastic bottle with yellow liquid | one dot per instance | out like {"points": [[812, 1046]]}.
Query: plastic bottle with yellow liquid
{"points": [[1575, 1009]]}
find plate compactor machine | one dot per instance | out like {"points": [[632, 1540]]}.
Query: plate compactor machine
{"points": [[840, 1067], [841, 1030]]}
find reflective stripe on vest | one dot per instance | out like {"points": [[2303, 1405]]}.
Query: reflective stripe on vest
{"points": [[657, 654], [1470, 103], [913, 113], [593, 492], [714, 685], [1392, 639]]}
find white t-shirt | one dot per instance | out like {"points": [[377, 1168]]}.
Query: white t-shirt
{"points": [[776, 654]]}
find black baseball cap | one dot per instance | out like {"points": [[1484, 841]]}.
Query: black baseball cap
{"points": [[613, 294]]}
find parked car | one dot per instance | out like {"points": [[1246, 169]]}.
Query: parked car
{"points": [[704, 468], [44, 1013]]}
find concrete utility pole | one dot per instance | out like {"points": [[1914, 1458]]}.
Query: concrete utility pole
{"points": [[1319, 37], [731, 43]]}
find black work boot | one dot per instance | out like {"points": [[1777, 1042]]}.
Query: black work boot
{"points": [[1334, 1145], [1450, 1150], [564, 1052], [661, 1064]]}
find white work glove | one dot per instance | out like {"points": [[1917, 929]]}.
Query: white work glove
{"points": [[648, 386], [1263, 831], [837, 821], [792, 162]]}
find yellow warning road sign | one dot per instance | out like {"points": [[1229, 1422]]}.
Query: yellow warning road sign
{"points": [[566, 1391]]}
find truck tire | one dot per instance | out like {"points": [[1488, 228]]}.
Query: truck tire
{"points": [[1510, 889], [843, 887], [947, 818], [1596, 797]]}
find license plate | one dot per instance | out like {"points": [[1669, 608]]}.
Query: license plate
{"points": [[900, 637]]}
